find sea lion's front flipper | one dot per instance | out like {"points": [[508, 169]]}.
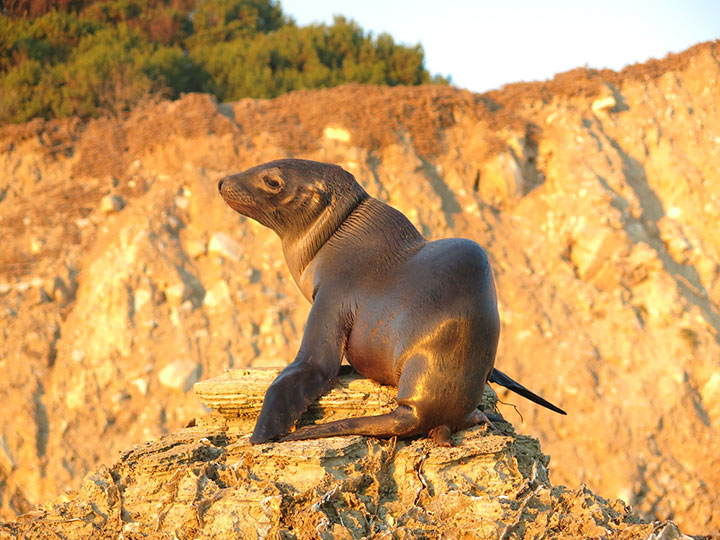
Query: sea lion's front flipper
{"points": [[310, 375]]}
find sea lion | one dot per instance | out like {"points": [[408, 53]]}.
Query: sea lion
{"points": [[406, 312]]}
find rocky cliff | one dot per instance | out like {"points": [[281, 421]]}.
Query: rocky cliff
{"points": [[207, 481], [124, 279]]}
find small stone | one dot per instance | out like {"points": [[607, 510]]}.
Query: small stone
{"points": [[131, 528], [142, 384], [603, 104], [503, 179], [175, 294], [195, 248], [180, 375], [336, 133], [223, 245], [112, 203], [593, 247], [36, 244], [218, 295], [142, 298]]}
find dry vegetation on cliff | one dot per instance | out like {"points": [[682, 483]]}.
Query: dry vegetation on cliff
{"points": [[596, 196]]}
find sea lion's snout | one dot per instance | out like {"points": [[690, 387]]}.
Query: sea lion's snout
{"points": [[234, 194], [227, 185]]}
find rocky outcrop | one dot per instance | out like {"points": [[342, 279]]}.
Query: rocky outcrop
{"points": [[207, 481], [127, 280]]}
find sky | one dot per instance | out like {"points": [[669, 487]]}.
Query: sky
{"points": [[485, 44]]}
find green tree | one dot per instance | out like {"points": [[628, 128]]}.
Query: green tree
{"points": [[93, 57]]}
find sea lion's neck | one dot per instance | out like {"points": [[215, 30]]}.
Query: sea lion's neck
{"points": [[380, 231], [301, 247]]}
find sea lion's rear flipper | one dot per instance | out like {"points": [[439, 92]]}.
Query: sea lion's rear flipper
{"points": [[498, 377], [400, 422]]}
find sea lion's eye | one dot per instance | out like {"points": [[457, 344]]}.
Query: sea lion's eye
{"points": [[272, 183]]}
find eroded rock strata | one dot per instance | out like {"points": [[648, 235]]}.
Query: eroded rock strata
{"points": [[207, 481]]}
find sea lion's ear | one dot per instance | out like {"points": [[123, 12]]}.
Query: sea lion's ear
{"points": [[272, 180]]}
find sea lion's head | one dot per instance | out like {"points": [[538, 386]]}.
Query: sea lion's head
{"points": [[290, 196]]}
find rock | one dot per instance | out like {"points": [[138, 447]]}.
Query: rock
{"points": [[37, 244], [218, 296], [501, 180], [112, 203], [336, 133], [195, 248], [142, 385], [239, 394], [208, 481], [603, 104], [176, 294], [658, 296], [595, 246], [222, 244], [180, 375]]}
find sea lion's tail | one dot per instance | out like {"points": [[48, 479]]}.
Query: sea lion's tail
{"points": [[498, 377], [400, 422]]}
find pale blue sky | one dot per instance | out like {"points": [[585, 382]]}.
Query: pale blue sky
{"points": [[483, 45]]}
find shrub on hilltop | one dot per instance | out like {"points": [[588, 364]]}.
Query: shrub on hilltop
{"points": [[93, 57]]}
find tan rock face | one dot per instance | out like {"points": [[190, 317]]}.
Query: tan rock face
{"points": [[207, 481], [202, 483], [600, 224]]}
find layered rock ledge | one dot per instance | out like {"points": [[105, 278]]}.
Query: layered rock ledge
{"points": [[207, 481]]}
